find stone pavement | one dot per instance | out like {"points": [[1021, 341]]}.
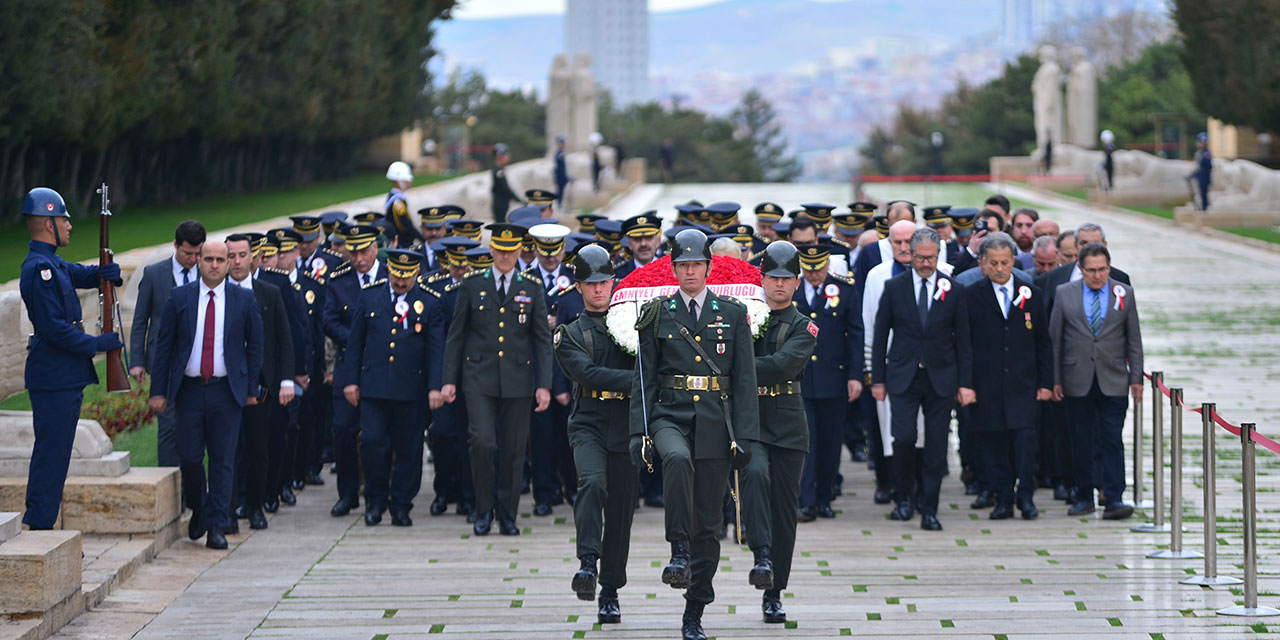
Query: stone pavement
{"points": [[1210, 318]]}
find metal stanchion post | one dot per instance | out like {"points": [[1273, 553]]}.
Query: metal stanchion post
{"points": [[1250, 481], [1157, 524], [1210, 577], [1138, 446], [1175, 550]]}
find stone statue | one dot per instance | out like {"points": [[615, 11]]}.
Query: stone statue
{"points": [[1082, 101], [582, 119], [1046, 90], [559, 100]]}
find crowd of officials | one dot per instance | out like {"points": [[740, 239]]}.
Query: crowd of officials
{"points": [[345, 339]]}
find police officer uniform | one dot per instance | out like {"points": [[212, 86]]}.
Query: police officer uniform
{"points": [[638, 226], [447, 435], [723, 215], [820, 214], [694, 384], [315, 419], [466, 228], [393, 359], [59, 355], [601, 373], [767, 215], [609, 235], [771, 481]]}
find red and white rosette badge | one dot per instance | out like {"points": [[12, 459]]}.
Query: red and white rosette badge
{"points": [[1118, 290], [944, 285], [1024, 294], [730, 277]]}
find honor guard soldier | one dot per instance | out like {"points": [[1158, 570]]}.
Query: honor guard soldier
{"points": [[396, 208], [393, 356], [498, 351], [59, 352], [601, 373], [694, 397], [341, 295], [831, 379], [771, 482], [643, 239]]}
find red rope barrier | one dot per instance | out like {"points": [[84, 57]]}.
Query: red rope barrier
{"points": [[1234, 430], [972, 177]]}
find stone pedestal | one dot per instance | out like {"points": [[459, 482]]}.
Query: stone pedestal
{"points": [[38, 571], [143, 500]]}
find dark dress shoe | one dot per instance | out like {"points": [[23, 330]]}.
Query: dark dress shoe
{"points": [[871, 464], [1002, 512], [314, 478], [507, 527], [401, 519], [544, 509], [343, 506], [761, 575], [1102, 498], [465, 509], [439, 506], [257, 520], [807, 514], [610, 612], [298, 485], [902, 512], [883, 496], [971, 489], [216, 540], [859, 455], [483, 523], [272, 504], [584, 581], [677, 573], [771, 606], [825, 511], [1029, 510], [654, 501], [1083, 507], [929, 522], [240, 512], [1118, 511], [372, 516], [557, 498], [196, 528], [691, 622], [1060, 492], [287, 497], [985, 500], [233, 527]]}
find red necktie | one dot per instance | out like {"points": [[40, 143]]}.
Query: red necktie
{"points": [[206, 349]]}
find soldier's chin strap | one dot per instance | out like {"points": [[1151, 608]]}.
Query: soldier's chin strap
{"points": [[57, 237]]}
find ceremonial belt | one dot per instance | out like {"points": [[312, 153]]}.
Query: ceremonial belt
{"points": [[788, 388], [696, 383], [607, 395]]}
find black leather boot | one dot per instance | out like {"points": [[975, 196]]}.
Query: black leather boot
{"points": [[584, 581], [610, 612], [677, 573], [691, 624], [771, 606], [761, 576]]}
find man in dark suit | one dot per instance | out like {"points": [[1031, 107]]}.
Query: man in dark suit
{"points": [[499, 351], [207, 361], [1070, 272], [928, 366], [284, 424], [1097, 349], [158, 278], [1008, 328]]}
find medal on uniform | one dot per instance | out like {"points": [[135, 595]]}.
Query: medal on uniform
{"points": [[720, 348], [311, 297], [318, 266], [417, 327], [1028, 318], [521, 318], [417, 306], [1119, 293]]}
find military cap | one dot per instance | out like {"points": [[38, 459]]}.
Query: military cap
{"points": [[743, 234], [587, 222], [43, 201], [432, 217], [289, 239], [936, 215], [479, 258], [499, 149], [814, 256], [642, 225], [609, 231], [360, 236], [540, 197], [863, 207], [329, 219], [850, 224], [367, 217], [505, 236], [452, 212], [339, 233], [403, 263], [782, 228], [592, 264], [671, 233], [256, 241], [308, 227], [579, 238], [468, 228], [781, 259], [685, 212], [548, 238], [270, 246], [455, 248], [768, 212], [526, 216], [962, 219], [690, 245], [882, 225]]}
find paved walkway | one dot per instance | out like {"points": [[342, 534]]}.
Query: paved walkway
{"points": [[1210, 316]]}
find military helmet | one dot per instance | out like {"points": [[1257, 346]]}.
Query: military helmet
{"points": [[43, 201], [592, 264], [690, 245], [781, 259]]}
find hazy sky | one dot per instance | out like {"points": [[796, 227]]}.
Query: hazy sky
{"points": [[502, 8]]}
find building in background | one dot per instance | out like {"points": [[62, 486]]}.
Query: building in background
{"points": [[616, 35]]}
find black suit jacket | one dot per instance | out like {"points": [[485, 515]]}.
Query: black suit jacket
{"points": [[153, 293], [277, 339], [943, 346], [241, 336], [1017, 356], [1050, 282]]}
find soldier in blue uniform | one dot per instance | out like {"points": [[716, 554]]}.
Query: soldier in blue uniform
{"points": [[396, 208], [341, 294], [767, 215], [284, 433], [587, 222], [1204, 169], [561, 172], [314, 411], [391, 363], [643, 239], [820, 214], [447, 435], [609, 236], [723, 215], [831, 381], [59, 353]]}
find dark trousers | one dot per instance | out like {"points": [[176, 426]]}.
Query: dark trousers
{"points": [[346, 454], [311, 414], [391, 430], [448, 441], [866, 405], [904, 409], [280, 448], [550, 457], [971, 456], [651, 483], [497, 426], [54, 415], [167, 438], [1008, 455], [855, 437], [1055, 446], [323, 446], [255, 435], [208, 419], [1095, 424], [770, 495], [604, 509], [826, 418], [694, 490]]}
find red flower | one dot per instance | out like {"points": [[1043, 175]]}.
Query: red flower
{"points": [[724, 270]]}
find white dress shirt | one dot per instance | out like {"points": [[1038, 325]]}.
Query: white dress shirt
{"points": [[219, 322], [498, 276], [701, 299], [1004, 302], [809, 292], [373, 274], [192, 274]]}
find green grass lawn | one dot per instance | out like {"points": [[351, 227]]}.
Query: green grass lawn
{"points": [[1152, 210], [1267, 234], [143, 227]]}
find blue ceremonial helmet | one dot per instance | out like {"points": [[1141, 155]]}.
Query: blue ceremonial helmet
{"points": [[43, 201]]}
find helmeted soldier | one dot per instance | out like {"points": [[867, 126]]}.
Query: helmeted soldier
{"points": [[396, 208]]}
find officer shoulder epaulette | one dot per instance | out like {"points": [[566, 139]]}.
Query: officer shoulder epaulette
{"points": [[451, 286], [276, 271], [524, 275], [437, 276], [332, 253], [429, 290], [761, 238], [340, 271], [649, 312], [566, 291], [375, 283], [842, 243], [313, 277], [847, 279], [475, 273]]}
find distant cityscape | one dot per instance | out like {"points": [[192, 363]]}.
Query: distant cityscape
{"points": [[832, 70]]}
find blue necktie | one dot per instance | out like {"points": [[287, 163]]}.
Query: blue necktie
{"points": [[1004, 302], [186, 276], [1095, 312]]}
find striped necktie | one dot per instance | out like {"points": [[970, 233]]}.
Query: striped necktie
{"points": [[1095, 312]]}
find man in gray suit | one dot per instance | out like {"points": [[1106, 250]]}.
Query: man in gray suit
{"points": [[1097, 349], [158, 279]]}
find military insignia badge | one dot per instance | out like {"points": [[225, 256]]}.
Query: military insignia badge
{"points": [[521, 318], [45, 274], [720, 348], [555, 338], [311, 297], [417, 327], [417, 307], [813, 329]]}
